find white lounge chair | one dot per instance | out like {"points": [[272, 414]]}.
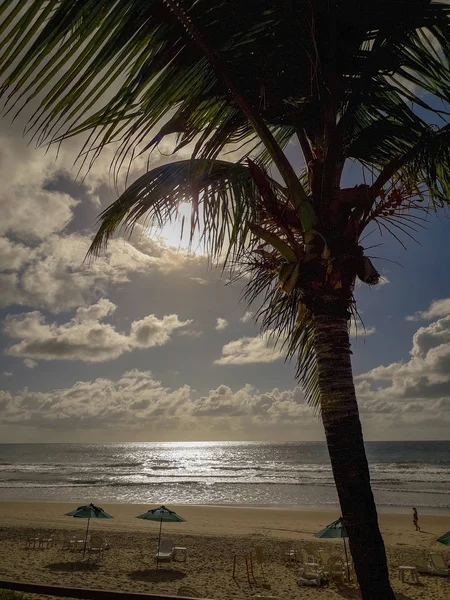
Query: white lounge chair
{"points": [[165, 551], [423, 566], [310, 576], [325, 558], [95, 547], [309, 560], [438, 564], [336, 569]]}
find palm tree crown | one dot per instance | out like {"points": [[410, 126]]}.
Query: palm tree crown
{"points": [[369, 85]]}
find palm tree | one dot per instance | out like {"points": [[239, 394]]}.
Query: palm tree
{"points": [[339, 83]]}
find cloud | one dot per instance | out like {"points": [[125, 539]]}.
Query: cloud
{"points": [[246, 316], [246, 350], [54, 275], [29, 363], [85, 337], [415, 392], [358, 330], [221, 324], [438, 308], [191, 333], [383, 281], [27, 210], [138, 402], [199, 280], [7, 374]]}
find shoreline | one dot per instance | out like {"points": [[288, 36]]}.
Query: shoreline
{"points": [[296, 523], [383, 509]]}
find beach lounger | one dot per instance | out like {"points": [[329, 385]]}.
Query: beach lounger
{"points": [[430, 567], [166, 550], [438, 564], [423, 566]]}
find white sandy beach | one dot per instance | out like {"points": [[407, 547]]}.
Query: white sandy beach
{"points": [[212, 535]]}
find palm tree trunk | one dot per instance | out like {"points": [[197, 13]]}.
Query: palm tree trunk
{"points": [[343, 432]]}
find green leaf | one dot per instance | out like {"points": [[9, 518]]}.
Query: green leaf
{"points": [[271, 238], [222, 190]]}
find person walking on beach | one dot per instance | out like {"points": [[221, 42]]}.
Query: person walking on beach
{"points": [[416, 519]]}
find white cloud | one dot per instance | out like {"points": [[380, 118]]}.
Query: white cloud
{"points": [[413, 393], [193, 333], [54, 275], [27, 209], [246, 316], [438, 308], [85, 337], [7, 374], [358, 330], [221, 324], [200, 280], [29, 363], [136, 401], [12, 255], [246, 350]]}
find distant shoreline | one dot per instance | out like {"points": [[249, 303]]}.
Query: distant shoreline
{"points": [[329, 508]]}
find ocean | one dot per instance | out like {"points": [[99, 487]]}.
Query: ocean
{"points": [[404, 474]]}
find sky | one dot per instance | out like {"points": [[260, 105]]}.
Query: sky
{"points": [[148, 343]]}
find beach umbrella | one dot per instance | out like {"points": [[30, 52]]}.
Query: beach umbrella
{"points": [[445, 539], [163, 515], [89, 511], [336, 530]]}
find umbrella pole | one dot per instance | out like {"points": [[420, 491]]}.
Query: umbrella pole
{"points": [[86, 536], [346, 561], [159, 544]]}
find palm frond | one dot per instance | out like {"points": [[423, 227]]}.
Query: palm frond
{"points": [[224, 192]]}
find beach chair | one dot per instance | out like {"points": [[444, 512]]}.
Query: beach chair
{"points": [[95, 547], [336, 569], [325, 558], [438, 564], [310, 576], [166, 550], [32, 542], [46, 542], [289, 555], [309, 560], [259, 555], [423, 566]]}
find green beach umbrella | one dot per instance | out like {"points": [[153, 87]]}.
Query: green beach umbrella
{"points": [[89, 511], [163, 515], [336, 530], [445, 539]]}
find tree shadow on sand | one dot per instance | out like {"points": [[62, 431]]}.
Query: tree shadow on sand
{"points": [[70, 567], [352, 592], [347, 591], [156, 575]]}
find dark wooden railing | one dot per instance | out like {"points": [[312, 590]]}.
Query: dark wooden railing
{"points": [[83, 593]]}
